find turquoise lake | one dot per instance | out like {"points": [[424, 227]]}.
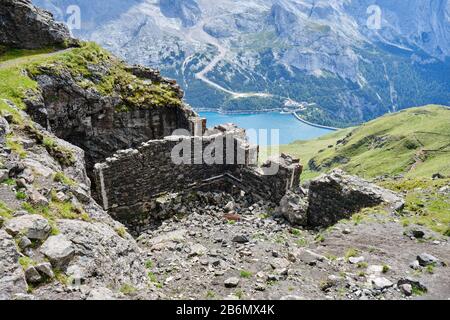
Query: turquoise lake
{"points": [[290, 129]]}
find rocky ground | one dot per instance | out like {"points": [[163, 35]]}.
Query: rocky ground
{"points": [[215, 253]]}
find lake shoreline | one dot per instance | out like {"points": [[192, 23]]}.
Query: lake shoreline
{"points": [[314, 124], [277, 110], [240, 112], [289, 127]]}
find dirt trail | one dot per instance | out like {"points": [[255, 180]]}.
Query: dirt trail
{"points": [[30, 58]]}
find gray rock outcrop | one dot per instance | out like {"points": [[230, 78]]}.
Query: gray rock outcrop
{"points": [[25, 26], [12, 277], [102, 256], [188, 11], [89, 118], [58, 250], [34, 227]]}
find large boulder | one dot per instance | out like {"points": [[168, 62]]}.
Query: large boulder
{"points": [[34, 227], [12, 277], [337, 196], [103, 256], [58, 250], [24, 26], [294, 207]]}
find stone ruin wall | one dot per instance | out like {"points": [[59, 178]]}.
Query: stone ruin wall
{"points": [[129, 182]]}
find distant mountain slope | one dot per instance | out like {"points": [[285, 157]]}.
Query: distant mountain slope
{"points": [[260, 54], [413, 143]]}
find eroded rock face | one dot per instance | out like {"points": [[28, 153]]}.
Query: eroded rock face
{"points": [[34, 227], [90, 119], [12, 277], [24, 26], [187, 11], [92, 252], [102, 256], [337, 196]]}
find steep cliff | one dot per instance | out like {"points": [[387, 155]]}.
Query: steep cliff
{"points": [[22, 25], [92, 99]]}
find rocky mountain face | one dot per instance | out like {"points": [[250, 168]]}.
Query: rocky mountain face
{"points": [[348, 61], [187, 11], [24, 26]]}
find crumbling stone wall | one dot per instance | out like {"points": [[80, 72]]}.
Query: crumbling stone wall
{"points": [[337, 196], [272, 187], [129, 182]]}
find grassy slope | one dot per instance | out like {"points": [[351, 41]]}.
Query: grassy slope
{"points": [[14, 82], [413, 142]]}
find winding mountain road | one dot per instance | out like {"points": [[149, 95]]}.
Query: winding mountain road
{"points": [[198, 34]]}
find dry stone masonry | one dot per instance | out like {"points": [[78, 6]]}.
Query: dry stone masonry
{"points": [[333, 197], [130, 181]]}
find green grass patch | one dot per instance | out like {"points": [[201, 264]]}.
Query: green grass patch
{"points": [[246, 274], [5, 212], [128, 289], [121, 231], [153, 279], [7, 109], [320, 238], [302, 242], [9, 182], [425, 204], [15, 146], [62, 178], [362, 265], [61, 277], [57, 210], [20, 195], [66, 210], [149, 264], [26, 262], [14, 84], [239, 294], [13, 54], [351, 253], [418, 290], [296, 232]]}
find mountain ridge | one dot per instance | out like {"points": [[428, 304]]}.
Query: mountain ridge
{"points": [[263, 53]]}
